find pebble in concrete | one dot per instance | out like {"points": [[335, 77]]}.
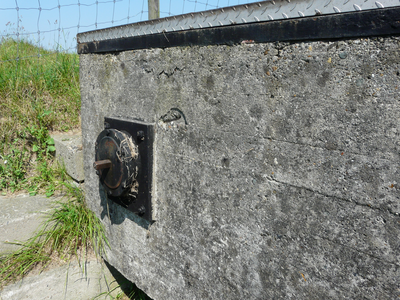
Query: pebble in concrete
{"points": [[343, 55]]}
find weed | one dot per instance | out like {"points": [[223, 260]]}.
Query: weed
{"points": [[20, 262], [39, 92], [121, 288], [70, 231], [126, 291], [73, 226], [13, 168]]}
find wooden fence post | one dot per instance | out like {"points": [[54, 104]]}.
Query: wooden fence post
{"points": [[154, 9]]}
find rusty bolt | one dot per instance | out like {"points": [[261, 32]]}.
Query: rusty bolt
{"points": [[102, 164]]}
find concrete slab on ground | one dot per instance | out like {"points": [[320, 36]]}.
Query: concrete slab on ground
{"points": [[66, 282], [20, 217]]}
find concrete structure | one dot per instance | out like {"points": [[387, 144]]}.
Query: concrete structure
{"points": [[281, 179], [69, 151]]}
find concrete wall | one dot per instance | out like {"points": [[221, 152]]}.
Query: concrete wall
{"points": [[284, 184]]}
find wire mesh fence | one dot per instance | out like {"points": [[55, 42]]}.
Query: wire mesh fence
{"points": [[53, 25], [31, 30]]}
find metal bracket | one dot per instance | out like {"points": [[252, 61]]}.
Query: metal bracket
{"points": [[143, 136]]}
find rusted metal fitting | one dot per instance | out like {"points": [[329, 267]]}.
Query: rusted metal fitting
{"points": [[102, 164]]}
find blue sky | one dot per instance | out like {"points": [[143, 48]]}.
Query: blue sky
{"points": [[49, 23]]}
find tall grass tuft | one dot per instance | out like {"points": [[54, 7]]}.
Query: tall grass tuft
{"points": [[39, 93], [72, 226], [71, 230]]}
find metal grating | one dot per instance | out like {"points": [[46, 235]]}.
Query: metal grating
{"points": [[240, 14]]}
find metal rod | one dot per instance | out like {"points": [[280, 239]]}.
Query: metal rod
{"points": [[102, 164]]}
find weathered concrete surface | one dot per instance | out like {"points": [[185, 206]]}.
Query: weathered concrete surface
{"points": [[283, 184], [67, 282], [20, 216], [69, 151]]}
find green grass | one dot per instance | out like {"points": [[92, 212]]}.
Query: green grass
{"points": [[121, 288], [71, 230], [72, 227], [123, 292], [39, 93]]}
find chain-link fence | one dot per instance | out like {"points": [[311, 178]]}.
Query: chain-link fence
{"points": [[31, 30], [53, 25]]}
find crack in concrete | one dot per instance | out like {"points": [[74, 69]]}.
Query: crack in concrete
{"points": [[386, 155], [360, 251], [388, 210], [271, 179], [324, 148], [316, 237]]}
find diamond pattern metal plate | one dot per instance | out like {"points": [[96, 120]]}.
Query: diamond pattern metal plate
{"points": [[240, 14]]}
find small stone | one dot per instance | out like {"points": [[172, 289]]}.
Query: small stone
{"points": [[341, 44], [273, 52], [343, 55]]}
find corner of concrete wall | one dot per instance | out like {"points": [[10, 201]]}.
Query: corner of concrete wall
{"points": [[281, 181]]}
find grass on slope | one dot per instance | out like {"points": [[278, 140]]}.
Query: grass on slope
{"points": [[39, 93]]}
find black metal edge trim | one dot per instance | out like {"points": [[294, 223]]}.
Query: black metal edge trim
{"points": [[370, 23]]}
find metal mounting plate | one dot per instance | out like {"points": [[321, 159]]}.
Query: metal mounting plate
{"points": [[143, 133]]}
